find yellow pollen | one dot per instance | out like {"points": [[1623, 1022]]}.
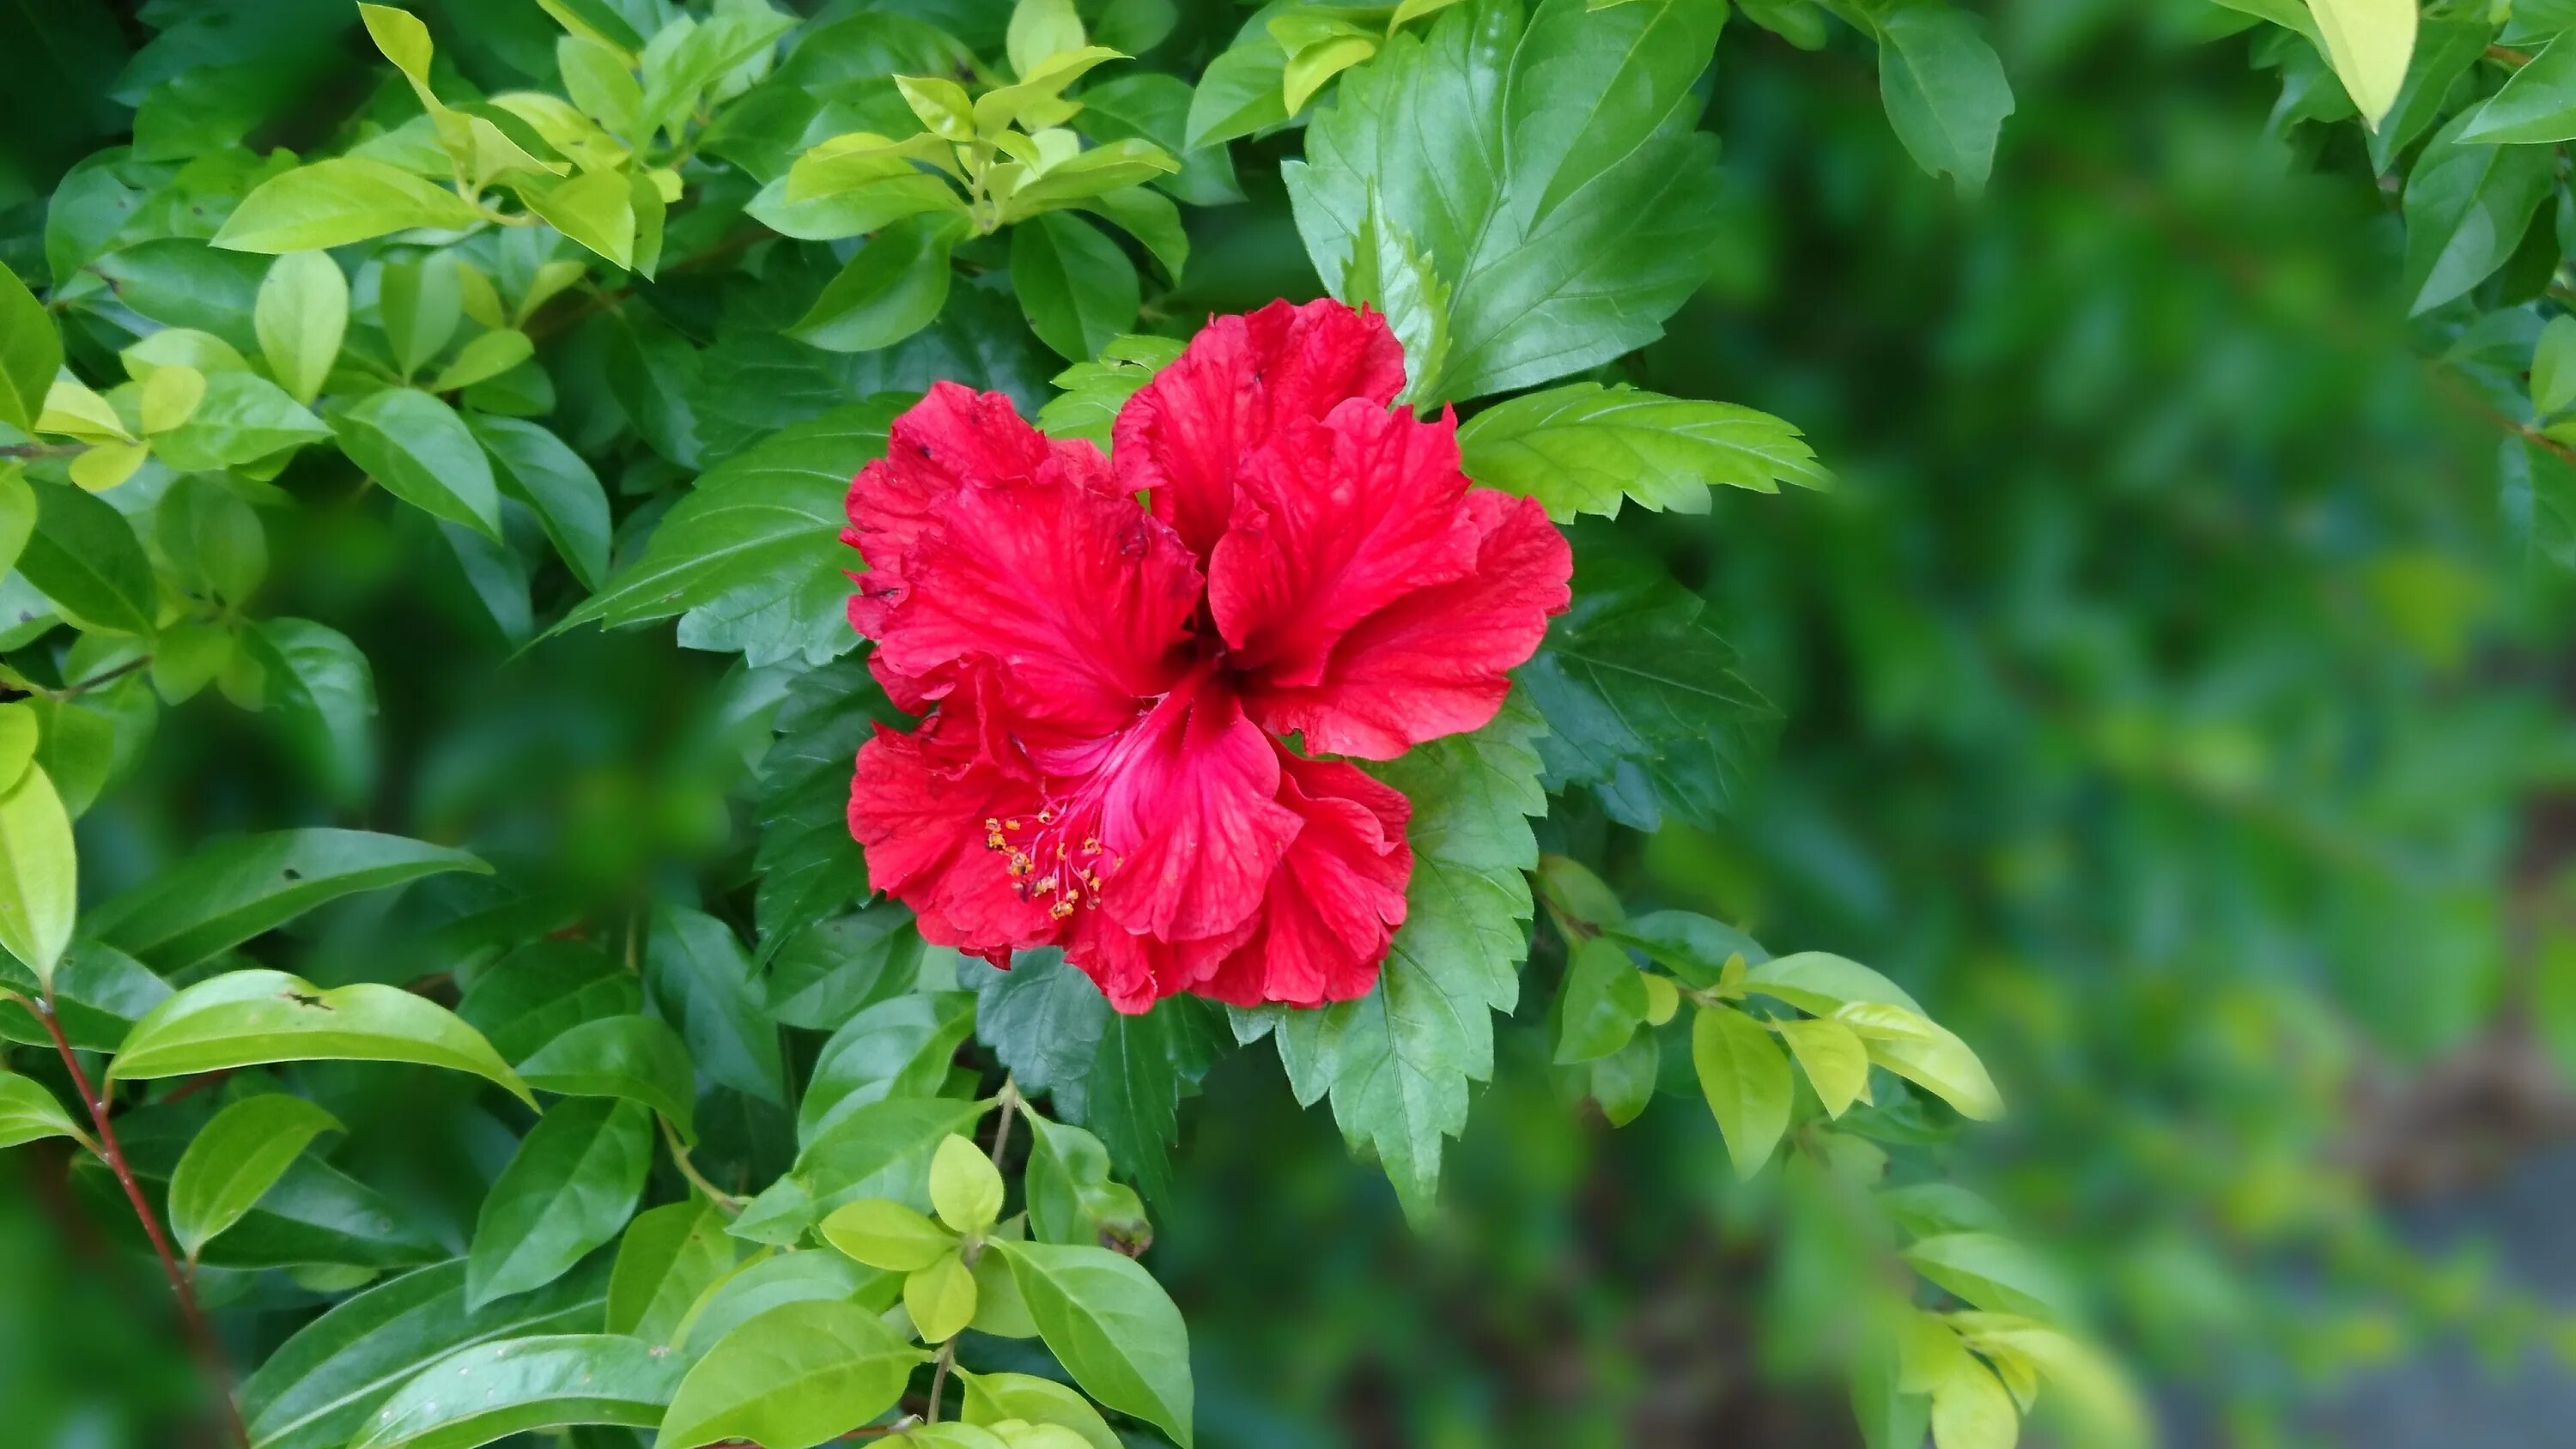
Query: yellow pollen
{"points": [[1060, 909]]}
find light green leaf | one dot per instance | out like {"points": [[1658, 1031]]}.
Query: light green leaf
{"points": [[1583, 448], [333, 203], [1040, 30], [1241, 91], [303, 311], [84, 556], [768, 1281], [99, 993], [249, 1018], [1605, 1000], [1746, 1079], [422, 452], [229, 892], [570, 1188], [1818, 983], [1924, 1052], [1970, 1410], [669, 1257], [940, 1299], [797, 1374], [596, 209], [243, 419], [495, 1390], [885, 1234], [999, 1398], [2368, 42], [1992, 1272], [31, 352], [1077, 288], [1397, 1063], [965, 1187], [17, 513], [422, 303], [1945, 91], [2090, 1388], [540, 470], [321, 1387], [212, 539], [1112, 1327], [39, 876], [636, 1058], [601, 81], [1836, 1063], [1552, 172], [235, 1159], [29, 1113], [891, 288], [1094, 391], [879, 1150], [487, 356]]}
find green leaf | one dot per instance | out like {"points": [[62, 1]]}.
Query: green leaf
{"points": [[1240, 92], [2444, 51], [879, 1150], [486, 357], [31, 352], [248, 1018], [1094, 391], [1746, 1079], [229, 892], [2368, 42], [422, 303], [809, 867], [333, 203], [888, 1235], [537, 468], [1583, 448], [1924, 1052], [243, 419], [1389, 272], [940, 1299], [17, 514], [1040, 30], [1944, 90], [1077, 288], [890, 289], [760, 533], [669, 1257], [998, 1398], [1991, 1271], [39, 874], [570, 1188], [99, 993], [902, 1047], [1151, 106], [1120, 1075], [1112, 1327], [494, 1390], [235, 1159], [1605, 1001], [1971, 1410], [2536, 106], [1567, 244], [85, 557], [2553, 367], [1071, 1198], [1397, 1062], [1643, 703], [29, 1113], [797, 1374], [965, 1186], [322, 1386], [1831, 1055], [833, 970], [1150, 217], [596, 209], [1624, 1082], [766, 1283], [636, 1058], [422, 452], [1820, 983], [211, 538], [544, 989], [2466, 208], [302, 312], [323, 688], [697, 972]]}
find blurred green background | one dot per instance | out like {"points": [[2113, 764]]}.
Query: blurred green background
{"points": [[2168, 701]]}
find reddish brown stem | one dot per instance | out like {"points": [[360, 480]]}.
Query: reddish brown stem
{"points": [[201, 1335]]}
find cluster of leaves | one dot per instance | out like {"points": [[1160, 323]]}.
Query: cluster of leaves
{"points": [[705, 258]]}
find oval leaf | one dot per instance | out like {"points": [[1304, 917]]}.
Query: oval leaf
{"points": [[1747, 1081], [491, 1391], [797, 1374], [423, 453], [573, 1184], [235, 1159], [335, 202], [637, 1058], [246, 1018], [39, 874], [1113, 1328]]}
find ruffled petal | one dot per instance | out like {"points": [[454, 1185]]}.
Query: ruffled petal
{"points": [[1333, 521], [1078, 602], [1182, 437], [1135, 970], [1189, 817], [917, 806], [1435, 661], [1338, 896]]}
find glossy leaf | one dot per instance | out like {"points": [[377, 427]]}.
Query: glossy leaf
{"points": [[891, 288], [570, 1189], [85, 557], [1112, 1327], [29, 1113], [233, 890], [491, 1391], [1077, 288], [235, 1159], [797, 1374], [303, 310], [668, 1257], [39, 874], [1745, 1076], [632, 1058], [246, 1018], [422, 452], [697, 971], [333, 203], [30, 353]]}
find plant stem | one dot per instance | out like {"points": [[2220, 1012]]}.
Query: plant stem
{"points": [[1010, 1101], [725, 1202], [201, 1335]]}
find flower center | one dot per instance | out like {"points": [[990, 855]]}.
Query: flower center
{"points": [[1056, 854]]}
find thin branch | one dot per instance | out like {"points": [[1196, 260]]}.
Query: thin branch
{"points": [[201, 1335], [725, 1202]]}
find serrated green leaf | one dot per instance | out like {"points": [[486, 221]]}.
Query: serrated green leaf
{"points": [[1583, 448]]}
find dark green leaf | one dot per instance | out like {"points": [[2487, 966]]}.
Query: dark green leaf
{"points": [[234, 890], [2466, 208], [535, 467], [85, 557], [30, 353], [1077, 288], [890, 289], [422, 452], [896, 1048], [572, 1186], [699, 975], [635, 1058], [544, 989], [1944, 90]]}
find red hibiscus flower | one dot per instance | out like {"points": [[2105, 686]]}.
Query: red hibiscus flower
{"points": [[1108, 684]]}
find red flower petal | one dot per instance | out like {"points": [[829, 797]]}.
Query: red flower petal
{"points": [[1135, 970], [1333, 522], [1077, 601], [917, 805], [1338, 895], [1183, 435], [1434, 661], [1189, 817]]}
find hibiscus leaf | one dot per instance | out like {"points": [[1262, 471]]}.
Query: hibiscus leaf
{"points": [[1095, 391], [1397, 1062], [808, 865], [753, 554], [1643, 703], [1551, 169], [1583, 448], [1121, 1076]]}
